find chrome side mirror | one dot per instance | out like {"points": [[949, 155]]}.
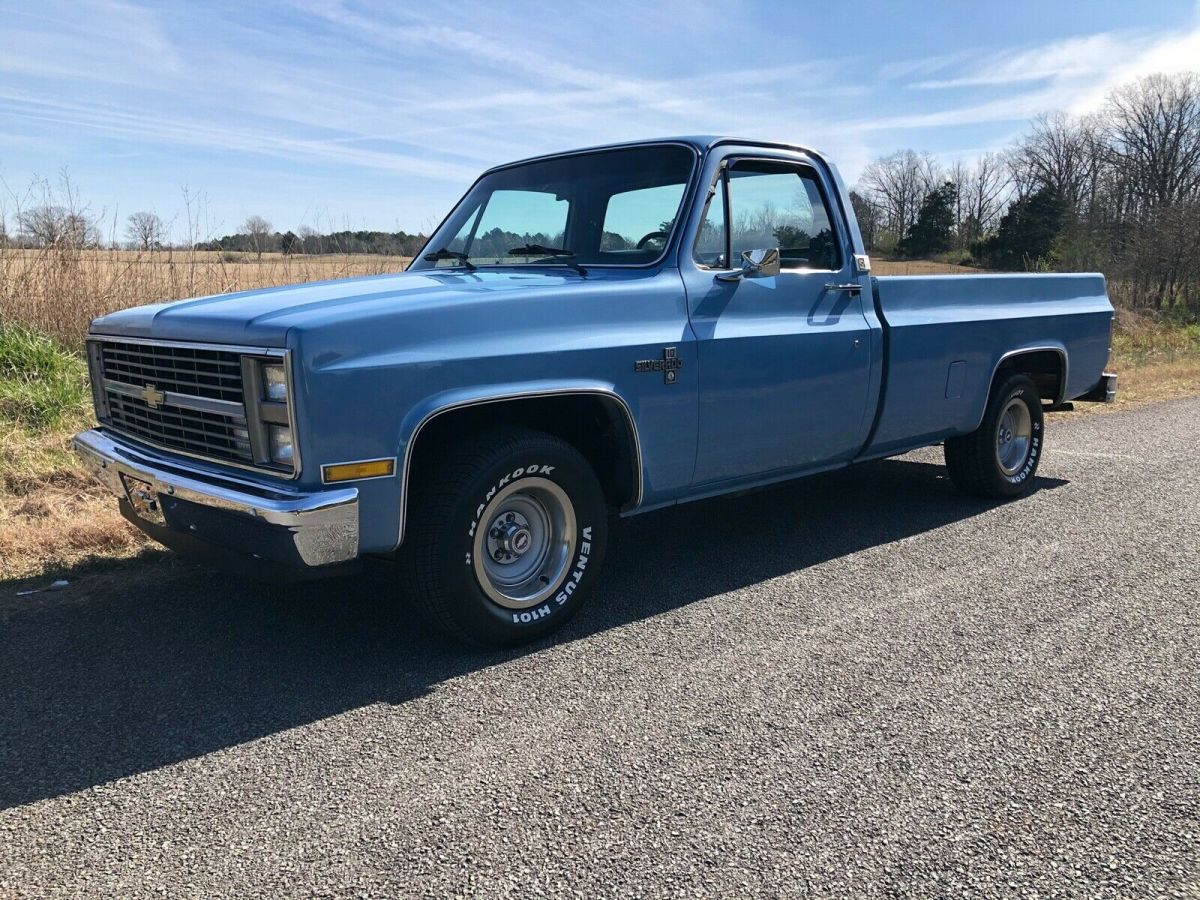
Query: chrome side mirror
{"points": [[755, 264]]}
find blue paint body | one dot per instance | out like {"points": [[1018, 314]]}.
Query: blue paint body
{"points": [[780, 377]]}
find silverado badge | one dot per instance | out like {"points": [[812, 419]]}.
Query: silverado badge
{"points": [[153, 396], [668, 365]]}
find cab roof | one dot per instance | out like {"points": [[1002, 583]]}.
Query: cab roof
{"points": [[700, 143]]}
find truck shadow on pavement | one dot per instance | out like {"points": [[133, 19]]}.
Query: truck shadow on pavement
{"points": [[156, 661]]}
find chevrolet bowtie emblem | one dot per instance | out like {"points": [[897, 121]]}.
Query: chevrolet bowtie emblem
{"points": [[153, 396]]}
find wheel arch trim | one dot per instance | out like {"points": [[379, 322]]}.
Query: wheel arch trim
{"points": [[1026, 351], [454, 401]]}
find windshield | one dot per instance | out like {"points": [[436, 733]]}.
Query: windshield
{"points": [[612, 207]]}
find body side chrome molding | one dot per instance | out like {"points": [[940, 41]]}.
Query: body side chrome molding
{"points": [[405, 470]]}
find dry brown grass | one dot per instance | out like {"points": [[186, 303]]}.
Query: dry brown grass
{"points": [[52, 514], [55, 528], [919, 267], [60, 290]]}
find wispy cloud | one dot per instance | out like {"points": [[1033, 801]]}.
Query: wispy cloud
{"points": [[1073, 75]]}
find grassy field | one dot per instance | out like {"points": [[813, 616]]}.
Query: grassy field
{"points": [[53, 518]]}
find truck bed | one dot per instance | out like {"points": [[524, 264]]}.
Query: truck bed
{"points": [[945, 336]]}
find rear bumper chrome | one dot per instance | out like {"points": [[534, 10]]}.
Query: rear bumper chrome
{"points": [[1104, 391], [230, 516]]}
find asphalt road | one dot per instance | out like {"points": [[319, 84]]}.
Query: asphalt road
{"points": [[858, 685]]}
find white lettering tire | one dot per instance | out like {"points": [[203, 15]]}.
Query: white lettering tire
{"points": [[1000, 458], [506, 537]]}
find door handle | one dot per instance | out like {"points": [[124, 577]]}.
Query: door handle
{"points": [[852, 287]]}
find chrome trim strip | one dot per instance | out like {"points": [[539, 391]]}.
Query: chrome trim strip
{"points": [[323, 525], [1062, 387], [183, 401], [155, 342], [612, 395], [359, 462]]}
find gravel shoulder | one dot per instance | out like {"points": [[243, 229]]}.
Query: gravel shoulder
{"points": [[861, 684]]}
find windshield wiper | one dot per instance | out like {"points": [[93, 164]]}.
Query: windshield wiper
{"points": [[541, 250], [443, 253]]}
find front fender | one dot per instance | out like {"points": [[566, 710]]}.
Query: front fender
{"points": [[424, 412]]}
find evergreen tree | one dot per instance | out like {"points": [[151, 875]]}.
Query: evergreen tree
{"points": [[934, 228], [1027, 233]]}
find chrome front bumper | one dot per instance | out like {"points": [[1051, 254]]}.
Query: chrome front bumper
{"points": [[290, 528]]}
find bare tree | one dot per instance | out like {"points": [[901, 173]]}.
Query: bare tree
{"points": [[310, 239], [259, 229], [898, 183], [1059, 154], [57, 226], [144, 230], [1153, 138], [869, 216], [982, 192]]}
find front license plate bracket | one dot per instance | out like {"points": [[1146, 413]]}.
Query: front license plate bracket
{"points": [[144, 499]]}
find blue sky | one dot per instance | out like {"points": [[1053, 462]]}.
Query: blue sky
{"points": [[378, 115]]}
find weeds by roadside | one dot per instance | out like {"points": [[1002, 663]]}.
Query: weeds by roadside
{"points": [[51, 512]]}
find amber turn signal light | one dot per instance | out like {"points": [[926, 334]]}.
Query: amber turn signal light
{"points": [[370, 468]]}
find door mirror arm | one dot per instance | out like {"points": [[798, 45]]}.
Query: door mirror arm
{"points": [[755, 264]]}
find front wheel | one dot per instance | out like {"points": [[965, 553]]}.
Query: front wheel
{"points": [[1000, 458], [509, 535]]}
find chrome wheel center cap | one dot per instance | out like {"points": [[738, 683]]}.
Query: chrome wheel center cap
{"points": [[516, 540], [509, 538]]}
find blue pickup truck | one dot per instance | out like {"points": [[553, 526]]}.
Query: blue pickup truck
{"points": [[611, 330]]}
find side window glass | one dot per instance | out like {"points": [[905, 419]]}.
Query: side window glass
{"points": [[710, 242], [780, 205]]}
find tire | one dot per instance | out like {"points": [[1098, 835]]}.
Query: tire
{"points": [[1001, 456], [508, 537]]}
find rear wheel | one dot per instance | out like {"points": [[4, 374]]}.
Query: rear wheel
{"points": [[507, 537], [1000, 458]]}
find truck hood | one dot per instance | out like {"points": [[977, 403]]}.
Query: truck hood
{"points": [[263, 318]]}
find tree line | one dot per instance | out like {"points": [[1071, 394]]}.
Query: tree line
{"points": [[1116, 191], [71, 226], [257, 236]]}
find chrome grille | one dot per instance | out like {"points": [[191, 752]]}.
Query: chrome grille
{"points": [[185, 398], [196, 371]]}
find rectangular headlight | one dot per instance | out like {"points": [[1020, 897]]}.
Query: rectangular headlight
{"points": [[274, 380], [281, 448]]}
